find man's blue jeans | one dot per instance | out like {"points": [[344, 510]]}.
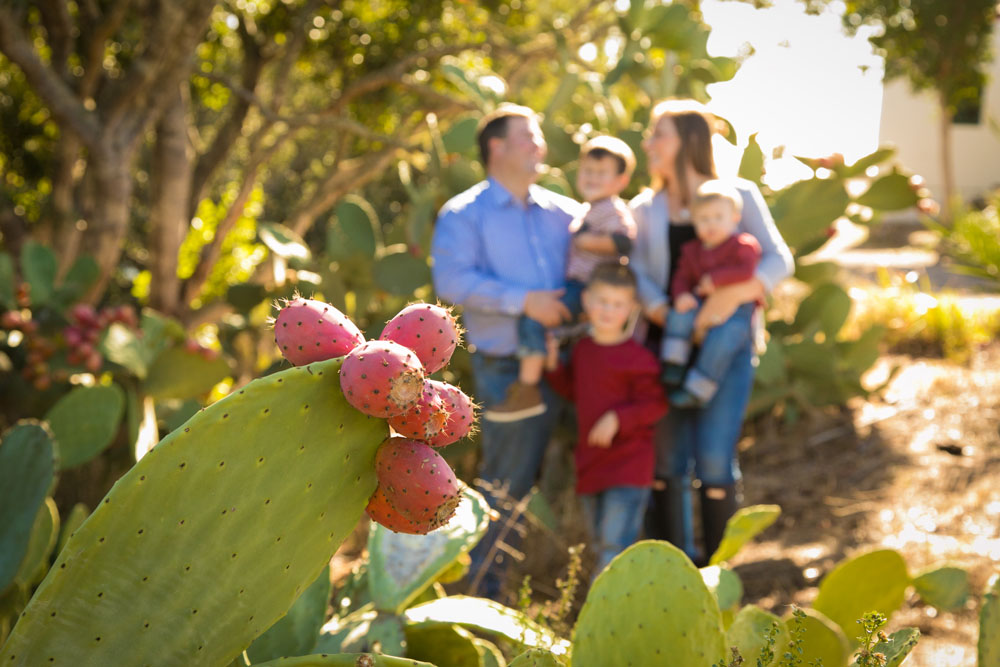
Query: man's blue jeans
{"points": [[512, 455], [614, 517], [715, 356], [531, 333], [703, 440]]}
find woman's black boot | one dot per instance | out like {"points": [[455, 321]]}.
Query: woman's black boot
{"points": [[665, 516], [718, 503]]}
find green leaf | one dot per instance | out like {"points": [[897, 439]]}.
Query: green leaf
{"points": [[85, 421], [748, 632], [460, 137], [536, 657], [746, 524], [283, 241], [946, 588], [822, 639], [875, 581], [295, 633], [344, 660], [77, 515], [489, 653], [771, 368], [401, 273], [177, 373], [562, 148], [244, 297], [363, 630], [487, 617], [81, 275], [27, 476], [461, 174], [725, 585], [897, 648], [826, 307], [442, 644], [860, 354], [988, 647], [870, 160], [752, 162], [404, 565], [39, 268], [889, 193], [804, 210], [354, 230], [122, 346], [815, 273], [7, 297]]}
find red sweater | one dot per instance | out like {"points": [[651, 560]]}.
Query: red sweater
{"points": [[623, 378], [732, 261]]}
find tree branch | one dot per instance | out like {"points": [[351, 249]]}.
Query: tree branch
{"points": [[92, 48], [55, 18], [57, 96]]}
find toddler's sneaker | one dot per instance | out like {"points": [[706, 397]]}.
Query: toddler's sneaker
{"points": [[521, 402], [682, 398], [672, 375]]}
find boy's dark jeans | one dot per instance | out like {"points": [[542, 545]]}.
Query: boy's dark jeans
{"points": [[531, 333], [715, 356]]}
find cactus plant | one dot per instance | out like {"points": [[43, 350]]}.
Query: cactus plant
{"points": [[896, 648], [536, 657], [444, 644], [989, 626], [216, 531], [489, 653], [85, 421], [822, 639], [650, 601], [345, 660], [873, 581], [27, 476], [295, 633], [749, 634], [945, 587], [746, 524]]}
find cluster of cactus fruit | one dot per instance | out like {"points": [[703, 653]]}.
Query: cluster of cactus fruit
{"points": [[417, 491]]}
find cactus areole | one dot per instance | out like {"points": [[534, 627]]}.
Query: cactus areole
{"points": [[382, 378]]}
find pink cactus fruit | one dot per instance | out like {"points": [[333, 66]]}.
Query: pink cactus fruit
{"points": [[381, 378], [461, 414], [380, 511], [429, 330], [417, 481], [425, 419], [307, 330]]}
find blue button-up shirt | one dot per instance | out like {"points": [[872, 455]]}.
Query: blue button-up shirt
{"points": [[490, 250]]}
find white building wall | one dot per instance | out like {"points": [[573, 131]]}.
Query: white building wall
{"points": [[911, 123]]}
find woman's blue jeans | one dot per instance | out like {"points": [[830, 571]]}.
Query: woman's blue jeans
{"points": [[702, 441], [512, 455], [614, 517]]}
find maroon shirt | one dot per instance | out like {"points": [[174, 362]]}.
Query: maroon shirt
{"points": [[732, 261], [624, 378]]}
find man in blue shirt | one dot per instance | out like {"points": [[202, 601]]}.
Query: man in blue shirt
{"points": [[500, 251]]}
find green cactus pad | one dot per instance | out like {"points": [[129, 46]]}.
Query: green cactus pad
{"points": [[746, 524], [404, 565], [177, 373], [897, 648], [39, 267], [212, 536], [366, 631], [822, 639], [77, 515], [27, 476], [748, 633], [989, 625], [449, 645], [488, 617], [536, 657], [945, 587], [345, 660], [346, 630], [489, 653], [295, 633], [891, 192], [85, 421], [875, 581], [44, 535], [671, 615], [725, 585]]}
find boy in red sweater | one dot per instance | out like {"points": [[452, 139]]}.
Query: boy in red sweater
{"points": [[719, 256], [614, 382]]}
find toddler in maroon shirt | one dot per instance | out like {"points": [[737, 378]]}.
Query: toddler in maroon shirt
{"points": [[614, 383], [719, 256]]}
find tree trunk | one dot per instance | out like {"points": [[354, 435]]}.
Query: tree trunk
{"points": [[110, 168], [65, 235], [172, 166], [947, 171]]}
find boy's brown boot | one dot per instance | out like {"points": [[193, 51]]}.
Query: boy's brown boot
{"points": [[521, 402]]}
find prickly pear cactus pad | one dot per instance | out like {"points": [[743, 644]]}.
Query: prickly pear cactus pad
{"points": [[345, 660], [212, 536], [650, 606]]}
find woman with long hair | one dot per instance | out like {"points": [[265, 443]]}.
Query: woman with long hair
{"points": [[696, 441]]}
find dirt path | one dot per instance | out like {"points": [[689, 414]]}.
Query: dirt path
{"points": [[916, 471]]}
